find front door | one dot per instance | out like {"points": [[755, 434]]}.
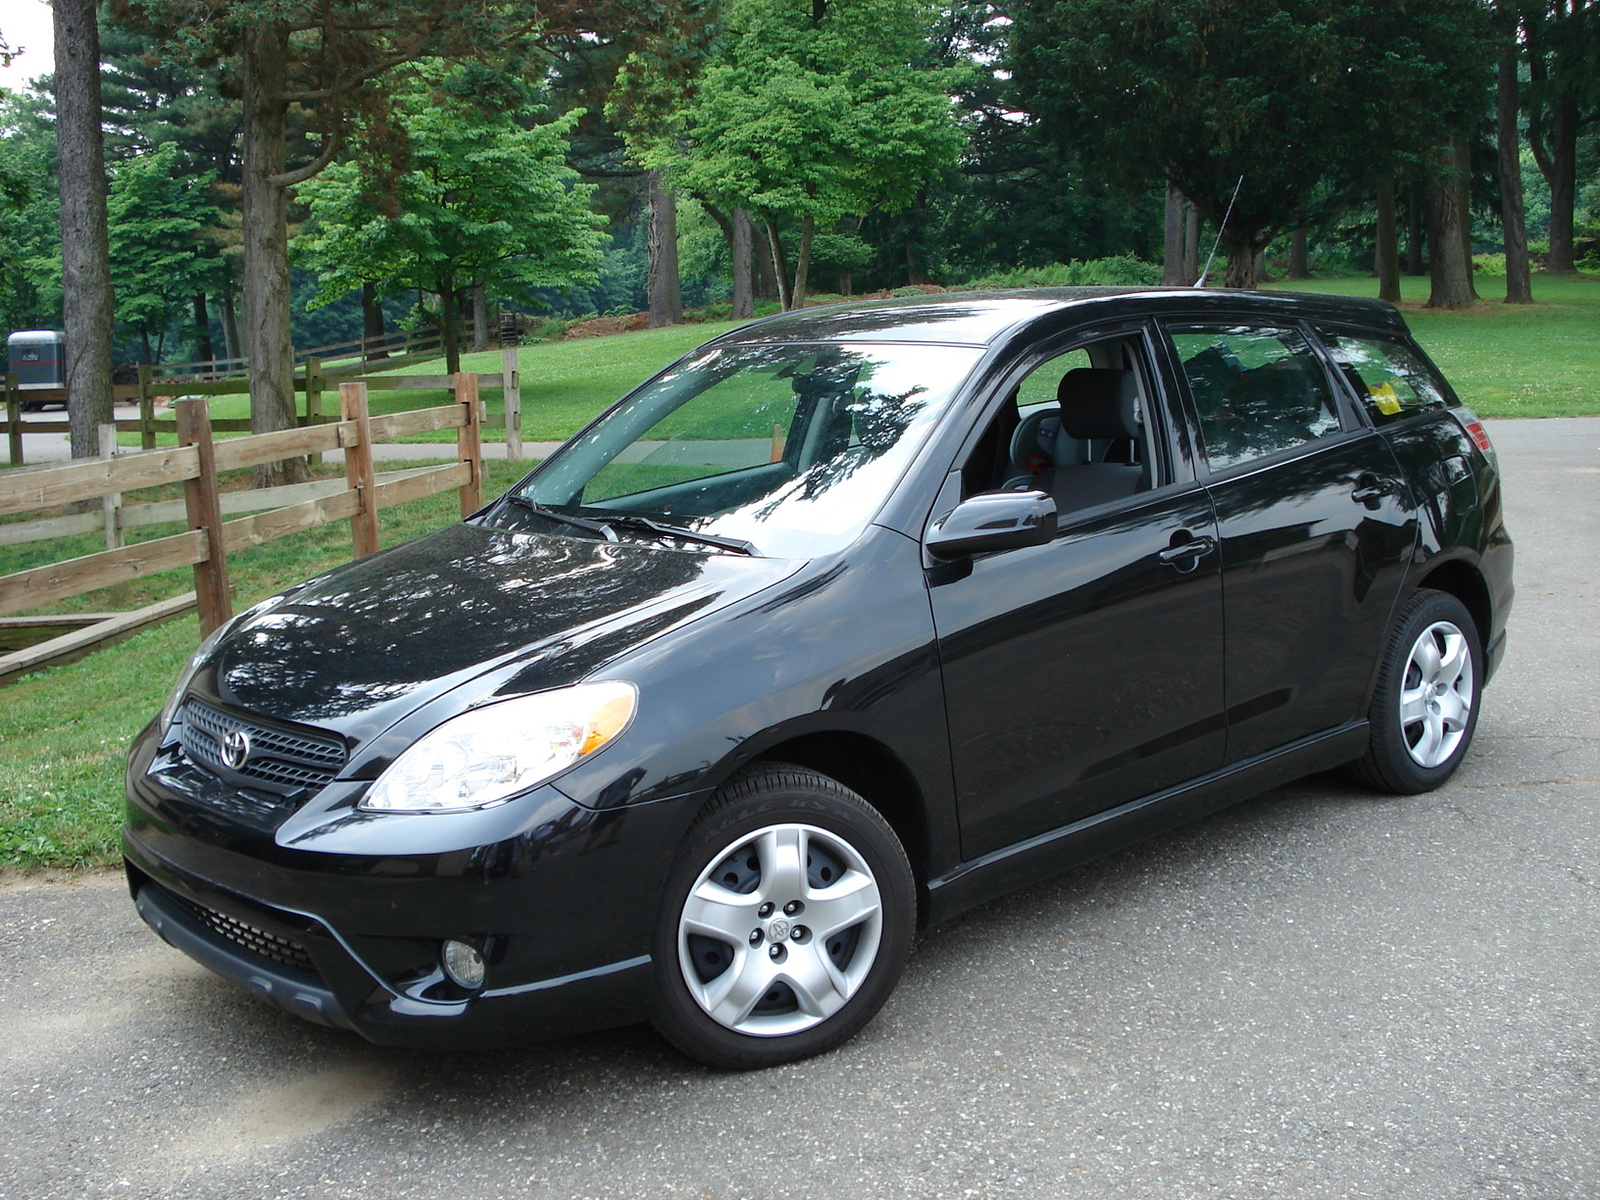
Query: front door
{"points": [[1086, 672]]}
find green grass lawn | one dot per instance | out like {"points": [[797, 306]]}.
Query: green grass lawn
{"points": [[64, 732], [1507, 360]]}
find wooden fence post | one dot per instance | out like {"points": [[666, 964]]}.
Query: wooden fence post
{"points": [[358, 468], [147, 408], [314, 386], [111, 502], [205, 513], [14, 418], [469, 442], [511, 389]]}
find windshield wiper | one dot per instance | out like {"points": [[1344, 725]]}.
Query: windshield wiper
{"points": [[683, 533], [608, 527], [600, 529]]}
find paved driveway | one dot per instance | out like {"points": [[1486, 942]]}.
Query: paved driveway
{"points": [[1321, 993]]}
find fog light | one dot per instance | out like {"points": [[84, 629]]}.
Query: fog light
{"points": [[463, 964]]}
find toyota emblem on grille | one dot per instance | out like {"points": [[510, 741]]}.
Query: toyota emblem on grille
{"points": [[235, 748]]}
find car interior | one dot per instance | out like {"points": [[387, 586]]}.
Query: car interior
{"points": [[1085, 444]]}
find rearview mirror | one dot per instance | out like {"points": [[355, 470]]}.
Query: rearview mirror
{"points": [[994, 521]]}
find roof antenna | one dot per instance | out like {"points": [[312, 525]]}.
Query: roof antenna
{"points": [[1201, 282]]}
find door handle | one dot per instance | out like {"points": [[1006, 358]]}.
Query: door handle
{"points": [[1186, 550], [1369, 491]]}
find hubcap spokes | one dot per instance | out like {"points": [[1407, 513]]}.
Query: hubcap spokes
{"points": [[1436, 694], [800, 946]]}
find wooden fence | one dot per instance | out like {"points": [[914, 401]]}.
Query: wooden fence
{"points": [[314, 382], [210, 538]]}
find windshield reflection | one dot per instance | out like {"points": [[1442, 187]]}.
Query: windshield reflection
{"points": [[792, 448]]}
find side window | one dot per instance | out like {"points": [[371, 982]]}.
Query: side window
{"points": [[1073, 427], [1392, 381], [1257, 390]]}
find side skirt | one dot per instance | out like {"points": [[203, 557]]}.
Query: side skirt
{"points": [[1046, 854]]}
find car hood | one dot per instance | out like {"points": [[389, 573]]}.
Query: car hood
{"points": [[358, 648]]}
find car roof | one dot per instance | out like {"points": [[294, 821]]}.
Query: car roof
{"points": [[984, 318]]}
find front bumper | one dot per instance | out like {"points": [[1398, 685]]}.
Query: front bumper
{"points": [[562, 907]]}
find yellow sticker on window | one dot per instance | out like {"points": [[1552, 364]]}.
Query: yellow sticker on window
{"points": [[1388, 403]]}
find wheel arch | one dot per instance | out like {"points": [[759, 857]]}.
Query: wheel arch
{"points": [[873, 771], [1463, 581]]}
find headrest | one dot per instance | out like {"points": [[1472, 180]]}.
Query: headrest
{"points": [[1100, 402]]}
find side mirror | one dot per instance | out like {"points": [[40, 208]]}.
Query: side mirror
{"points": [[994, 521]]}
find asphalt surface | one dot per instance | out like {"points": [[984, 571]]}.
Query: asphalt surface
{"points": [[1319, 993]]}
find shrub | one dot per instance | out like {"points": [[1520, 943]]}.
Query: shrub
{"points": [[1121, 270]]}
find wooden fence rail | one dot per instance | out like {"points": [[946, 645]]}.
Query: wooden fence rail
{"points": [[312, 383], [210, 538]]}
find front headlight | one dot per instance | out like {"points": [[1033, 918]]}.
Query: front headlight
{"points": [[490, 753]]}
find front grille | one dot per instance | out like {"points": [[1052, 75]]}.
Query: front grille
{"points": [[287, 759], [284, 951]]}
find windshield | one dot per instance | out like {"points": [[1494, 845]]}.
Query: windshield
{"points": [[779, 450]]}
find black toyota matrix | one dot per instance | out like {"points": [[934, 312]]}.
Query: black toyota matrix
{"points": [[846, 621]]}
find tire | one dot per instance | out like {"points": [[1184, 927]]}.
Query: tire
{"points": [[760, 960], [1425, 706]]}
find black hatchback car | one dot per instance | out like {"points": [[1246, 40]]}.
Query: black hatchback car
{"points": [[847, 621]]}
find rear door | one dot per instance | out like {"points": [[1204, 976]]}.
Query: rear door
{"points": [[1316, 525]]}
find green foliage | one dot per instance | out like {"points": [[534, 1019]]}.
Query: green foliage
{"points": [[1118, 271], [30, 215], [1304, 99], [477, 197], [807, 112], [158, 216]]}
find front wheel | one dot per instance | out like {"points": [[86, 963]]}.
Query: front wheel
{"points": [[785, 924], [1425, 706]]}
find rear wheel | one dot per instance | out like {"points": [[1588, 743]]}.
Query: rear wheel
{"points": [[785, 924], [1425, 707]]}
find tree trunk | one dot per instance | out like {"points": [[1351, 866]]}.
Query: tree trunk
{"points": [[802, 264], [744, 303], [264, 201], [1450, 270], [203, 351], [1558, 161], [1172, 240], [1386, 262], [665, 289], [1261, 268], [450, 324], [1241, 260], [1299, 257], [1513, 213], [1191, 244], [1416, 232], [230, 328], [480, 317], [780, 273], [762, 258], [372, 322], [86, 303], [1462, 161]]}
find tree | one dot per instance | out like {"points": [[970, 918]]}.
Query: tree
{"points": [[159, 256], [30, 223], [811, 113], [87, 306], [1280, 110], [1508, 145], [330, 61], [1563, 45], [475, 198]]}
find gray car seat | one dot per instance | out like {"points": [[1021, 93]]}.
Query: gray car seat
{"points": [[1098, 405]]}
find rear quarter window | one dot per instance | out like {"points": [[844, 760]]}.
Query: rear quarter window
{"points": [[1391, 379]]}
